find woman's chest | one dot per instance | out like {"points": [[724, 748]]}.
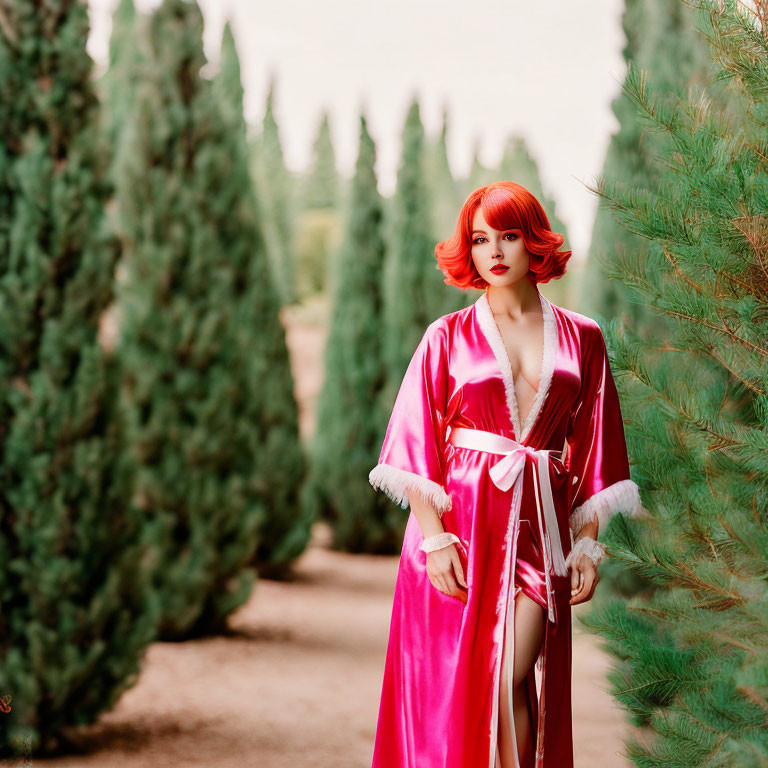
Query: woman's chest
{"points": [[480, 395]]}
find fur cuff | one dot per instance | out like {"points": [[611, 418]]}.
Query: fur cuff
{"points": [[623, 497], [397, 482], [594, 550]]}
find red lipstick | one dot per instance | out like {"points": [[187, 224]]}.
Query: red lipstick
{"points": [[499, 269]]}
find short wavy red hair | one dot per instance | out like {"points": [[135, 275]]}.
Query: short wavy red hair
{"points": [[505, 205]]}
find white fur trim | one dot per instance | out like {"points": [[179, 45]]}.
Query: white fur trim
{"points": [[623, 497], [439, 541], [551, 340], [397, 482], [594, 550]]}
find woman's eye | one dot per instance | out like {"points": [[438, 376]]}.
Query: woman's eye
{"points": [[480, 238]]}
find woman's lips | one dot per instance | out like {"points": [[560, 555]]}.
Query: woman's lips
{"points": [[499, 269]]}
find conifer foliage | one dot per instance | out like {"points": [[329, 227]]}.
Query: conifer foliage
{"points": [[118, 85], [206, 365], [691, 652], [414, 291], [348, 433], [76, 610], [446, 203], [319, 228], [272, 412], [446, 195], [321, 186], [661, 38], [517, 164], [277, 200]]}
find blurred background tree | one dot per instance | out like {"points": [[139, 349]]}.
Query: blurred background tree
{"points": [[206, 365], [277, 200], [446, 195], [347, 439], [320, 229], [412, 284], [518, 164], [117, 87]]}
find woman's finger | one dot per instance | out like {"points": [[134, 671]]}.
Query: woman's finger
{"points": [[575, 578], [441, 573], [580, 591], [451, 587], [457, 567], [587, 583], [578, 596]]}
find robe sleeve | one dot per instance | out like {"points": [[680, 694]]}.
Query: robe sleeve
{"points": [[598, 465], [412, 456]]}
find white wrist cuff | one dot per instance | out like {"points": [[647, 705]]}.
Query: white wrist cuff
{"points": [[594, 550], [438, 541]]}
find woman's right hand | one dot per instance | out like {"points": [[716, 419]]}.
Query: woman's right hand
{"points": [[446, 572]]}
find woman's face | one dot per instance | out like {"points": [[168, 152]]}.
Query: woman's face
{"points": [[494, 248]]}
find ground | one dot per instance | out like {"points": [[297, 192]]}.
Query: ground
{"points": [[297, 682]]}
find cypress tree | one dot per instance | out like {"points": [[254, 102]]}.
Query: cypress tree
{"points": [[414, 291], [479, 174], [206, 367], [118, 85], [320, 224], [348, 432], [443, 188], [691, 651], [517, 165], [271, 416], [446, 205], [321, 186], [77, 611], [661, 38], [276, 200]]}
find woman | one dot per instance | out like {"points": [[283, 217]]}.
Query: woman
{"points": [[506, 439]]}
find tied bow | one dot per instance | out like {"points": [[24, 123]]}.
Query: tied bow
{"points": [[505, 473]]}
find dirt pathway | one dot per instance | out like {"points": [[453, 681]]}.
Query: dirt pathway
{"points": [[297, 683]]}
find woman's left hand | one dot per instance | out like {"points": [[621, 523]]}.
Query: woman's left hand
{"points": [[584, 579]]}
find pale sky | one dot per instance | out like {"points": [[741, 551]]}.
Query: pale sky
{"points": [[546, 71]]}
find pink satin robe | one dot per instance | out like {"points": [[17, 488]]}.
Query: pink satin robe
{"points": [[439, 704]]}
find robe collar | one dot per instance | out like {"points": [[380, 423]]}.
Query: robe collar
{"points": [[493, 336]]}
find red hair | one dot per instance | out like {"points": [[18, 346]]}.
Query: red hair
{"points": [[505, 206]]}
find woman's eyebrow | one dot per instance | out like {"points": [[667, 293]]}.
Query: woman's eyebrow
{"points": [[483, 232]]}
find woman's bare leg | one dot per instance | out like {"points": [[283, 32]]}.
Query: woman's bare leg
{"points": [[529, 632]]}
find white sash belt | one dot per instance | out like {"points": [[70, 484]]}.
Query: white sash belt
{"points": [[506, 472]]}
